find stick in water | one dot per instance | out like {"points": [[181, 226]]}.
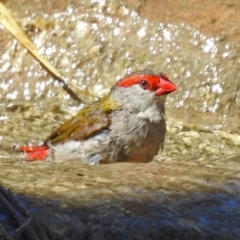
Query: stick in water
{"points": [[11, 25]]}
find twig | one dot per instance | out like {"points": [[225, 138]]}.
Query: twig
{"points": [[11, 25]]}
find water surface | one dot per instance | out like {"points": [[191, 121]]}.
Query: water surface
{"points": [[93, 45]]}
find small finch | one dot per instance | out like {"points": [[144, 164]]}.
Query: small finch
{"points": [[127, 125]]}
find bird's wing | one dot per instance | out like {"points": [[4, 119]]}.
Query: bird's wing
{"points": [[87, 122]]}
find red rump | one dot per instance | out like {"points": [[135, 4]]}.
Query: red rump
{"points": [[35, 153]]}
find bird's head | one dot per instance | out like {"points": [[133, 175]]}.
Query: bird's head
{"points": [[149, 80], [143, 90]]}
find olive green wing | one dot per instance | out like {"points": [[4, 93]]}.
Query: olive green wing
{"points": [[90, 120]]}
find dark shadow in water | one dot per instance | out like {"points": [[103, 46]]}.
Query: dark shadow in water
{"points": [[209, 216]]}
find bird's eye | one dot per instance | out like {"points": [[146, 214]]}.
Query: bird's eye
{"points": [[144, 84]]}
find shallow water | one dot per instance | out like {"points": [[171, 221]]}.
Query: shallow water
{"points": [[94, 44]]}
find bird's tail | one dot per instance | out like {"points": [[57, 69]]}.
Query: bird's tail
{"points": [[34, 153]]}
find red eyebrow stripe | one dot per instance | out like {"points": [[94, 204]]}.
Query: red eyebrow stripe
{"points": [[135, 79]]}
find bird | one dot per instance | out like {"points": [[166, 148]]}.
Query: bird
{"points": [[127, 125]]}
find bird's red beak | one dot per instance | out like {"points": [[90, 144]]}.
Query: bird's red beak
{"points": [[165, 87]]}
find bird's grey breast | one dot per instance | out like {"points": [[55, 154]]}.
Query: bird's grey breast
{"points": [[137, 130]]}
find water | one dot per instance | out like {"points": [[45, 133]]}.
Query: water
{"points": [[94, 44]]}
